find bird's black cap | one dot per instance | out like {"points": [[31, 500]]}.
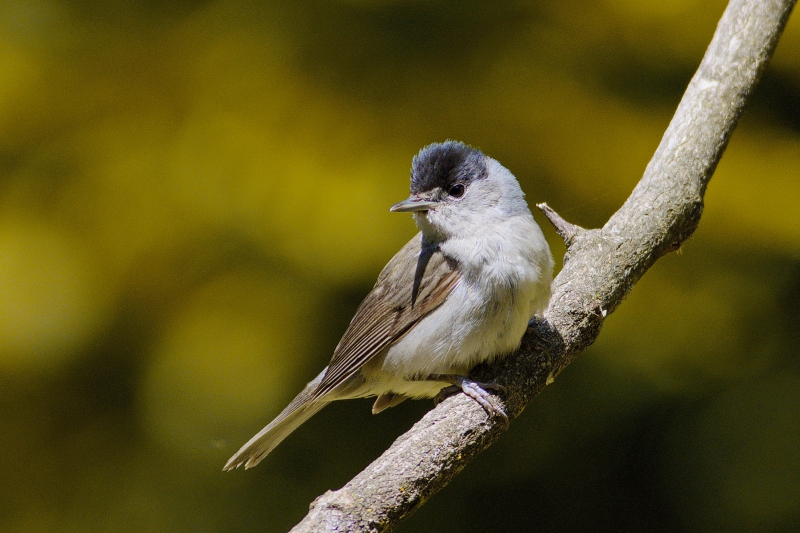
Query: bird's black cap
{"points": [[445, 164]]}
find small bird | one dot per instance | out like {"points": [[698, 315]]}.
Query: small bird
{"points": [[460, 293]]}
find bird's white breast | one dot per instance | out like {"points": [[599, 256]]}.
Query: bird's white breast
{"points": [[505, 281]]}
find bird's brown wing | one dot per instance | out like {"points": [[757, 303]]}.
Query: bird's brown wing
{"points": [[415, 282]]}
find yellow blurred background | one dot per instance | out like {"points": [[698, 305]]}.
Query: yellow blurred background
{"points": [[194, 198]]}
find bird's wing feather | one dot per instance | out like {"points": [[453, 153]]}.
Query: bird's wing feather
{"points": [[415, 282]]}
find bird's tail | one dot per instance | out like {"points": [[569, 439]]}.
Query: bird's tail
{"points": [[301, 409]]}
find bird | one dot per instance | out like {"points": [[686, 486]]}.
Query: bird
{"points": [[461, 292]]}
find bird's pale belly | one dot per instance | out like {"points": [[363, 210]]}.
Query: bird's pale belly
{"points": [[472, 338]]}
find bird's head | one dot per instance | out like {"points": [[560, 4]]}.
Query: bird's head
{"points": [[457, 190]]}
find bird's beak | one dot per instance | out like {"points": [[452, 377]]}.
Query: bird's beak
{"points": [[413, 204]]}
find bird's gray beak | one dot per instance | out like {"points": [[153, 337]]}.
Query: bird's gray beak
{"points": [[413, 204]]}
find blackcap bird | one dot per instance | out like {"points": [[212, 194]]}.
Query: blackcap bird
{"points": [[460, 293]]}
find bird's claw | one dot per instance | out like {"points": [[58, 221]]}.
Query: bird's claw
{"points": [[475, 390]]}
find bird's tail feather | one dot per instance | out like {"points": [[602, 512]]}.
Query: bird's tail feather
{"points": [[301, 409]]}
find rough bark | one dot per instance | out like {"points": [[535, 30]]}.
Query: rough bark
{"points": [[600, 268]]}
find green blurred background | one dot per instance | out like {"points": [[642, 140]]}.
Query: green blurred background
{"points": [[194, 199]]}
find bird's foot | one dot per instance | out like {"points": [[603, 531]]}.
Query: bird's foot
{"points": [[474, 389]]}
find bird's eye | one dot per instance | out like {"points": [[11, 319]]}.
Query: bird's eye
{"points": [[456, 191]]}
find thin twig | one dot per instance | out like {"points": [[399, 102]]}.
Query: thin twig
{"points": [[565, 229]]}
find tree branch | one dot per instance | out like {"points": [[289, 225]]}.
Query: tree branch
{"points": [[600, 267]]}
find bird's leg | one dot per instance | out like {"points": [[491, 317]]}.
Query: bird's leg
{"points": [[473, 389]]}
